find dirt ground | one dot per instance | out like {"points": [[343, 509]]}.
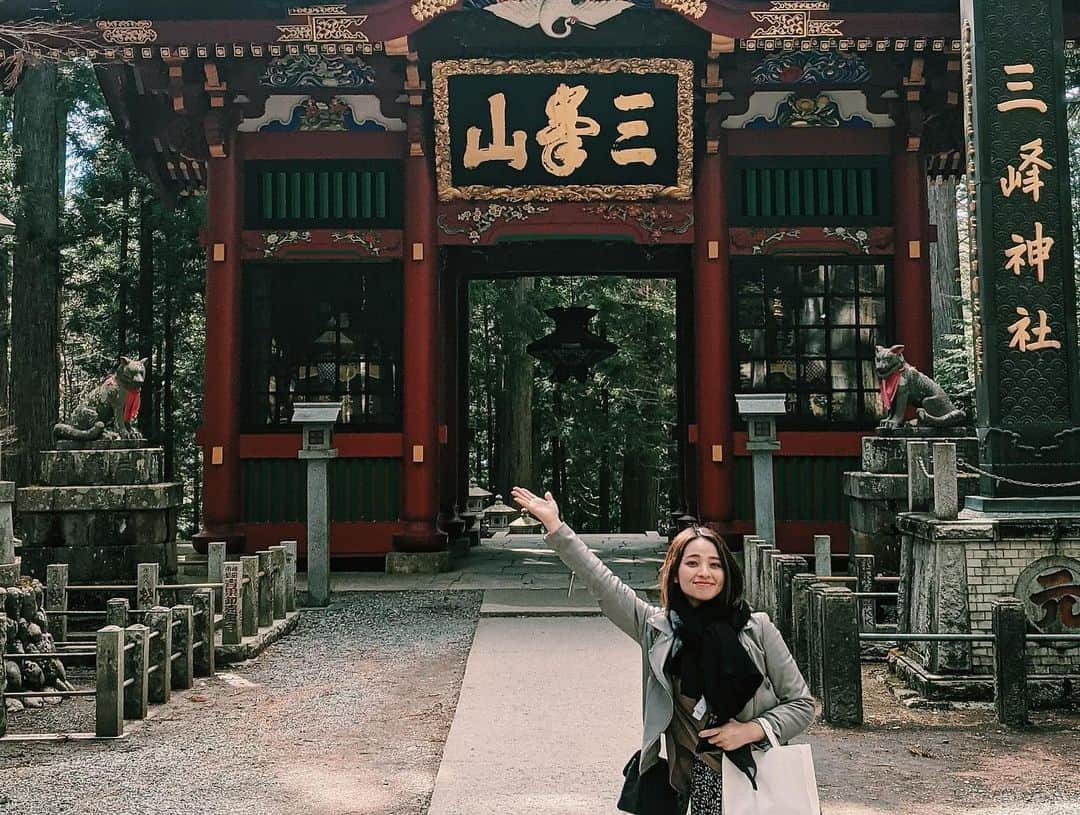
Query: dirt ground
{"points": [[927, 762]]}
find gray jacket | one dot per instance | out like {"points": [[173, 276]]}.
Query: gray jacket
{"points": [[783, 698]]}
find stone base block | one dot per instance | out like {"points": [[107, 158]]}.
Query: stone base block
{"points": [[10, 573], [98, 528], [100, 564], [251, 647], [92, 467], [418, 562], [102, 444], [888, 453], [105, 498]]}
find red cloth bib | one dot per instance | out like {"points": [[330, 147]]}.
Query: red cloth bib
{"points": [[888, 385], [131, 401]]}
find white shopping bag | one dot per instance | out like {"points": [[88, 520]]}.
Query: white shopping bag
{"points": [[786, 784]]}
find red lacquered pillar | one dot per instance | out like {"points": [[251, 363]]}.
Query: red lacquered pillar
{"points": [[220, 433], [420, 399], [712, 339], [911, 269]]}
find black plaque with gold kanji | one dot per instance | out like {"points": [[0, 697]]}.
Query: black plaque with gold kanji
{"points": [[1018, 167]]}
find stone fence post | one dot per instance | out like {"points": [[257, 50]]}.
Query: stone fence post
{"points": [[1010, 672], [147, 582], [822, 555], [203, 613], [183, 640], [761, 577], [290, 575], [215, 560], [56, 583], [277, 584], [842, 671], [788, 567], [136, 664], [159, 622], [116, 612], [918, 463], [864, 582], [800, 621], [266, 597], [249, 598], [750, 555], [232, 589], [109, 696]]}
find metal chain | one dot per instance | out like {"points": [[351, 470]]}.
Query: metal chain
{"points": [[1015, 482]]}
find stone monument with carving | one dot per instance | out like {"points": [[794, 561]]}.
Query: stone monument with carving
{"points": [[103, 505]]}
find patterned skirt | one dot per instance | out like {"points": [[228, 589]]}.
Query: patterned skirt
{"points": [[705, 790]]}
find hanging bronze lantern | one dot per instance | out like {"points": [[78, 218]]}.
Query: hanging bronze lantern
{"points": [[571, 349]]}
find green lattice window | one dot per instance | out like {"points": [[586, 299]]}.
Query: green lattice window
{"points": [[326, 194], [834, 191]]}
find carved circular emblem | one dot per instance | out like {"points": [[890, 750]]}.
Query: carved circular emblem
{"points": [[1050, 589]]}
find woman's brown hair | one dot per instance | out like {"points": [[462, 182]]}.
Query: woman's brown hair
{"points": [[732, 591]]}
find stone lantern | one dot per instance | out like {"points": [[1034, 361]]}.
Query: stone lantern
{"points": [[317, 420], [498, 515], [760, 411], [477, 501], [525, 524]]}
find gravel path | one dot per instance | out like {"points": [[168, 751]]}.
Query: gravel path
{"points": [[347, 715]]}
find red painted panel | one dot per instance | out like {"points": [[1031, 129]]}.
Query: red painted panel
{"points": [[346, 539], [824, 443], [795, 537], [322, 145], [349, 445], [799, 142]]}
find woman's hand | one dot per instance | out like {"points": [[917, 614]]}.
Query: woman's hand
{"points": [[543, 509], [733, 735]]}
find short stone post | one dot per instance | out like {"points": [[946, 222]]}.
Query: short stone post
{"points": [[116, 612], [750, 557], [918, 464], [1010, 671], [159, 623], [147, 582], [215, 558], [841, 672], [789, 566], [109, 696], [800, 621], [864, 582], [9, 568], [277, 584], [946, 495], [202, 602], [903, 587], [56, 583], [290, 575], [822, 555], [232, 620], [183, 642], [249, 597], [768, 604], [136, 663], [266, 597]]}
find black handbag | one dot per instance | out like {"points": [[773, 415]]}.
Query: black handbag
{"points": [[648, 794]]}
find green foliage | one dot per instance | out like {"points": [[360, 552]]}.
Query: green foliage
{"points": [[626, 408]]}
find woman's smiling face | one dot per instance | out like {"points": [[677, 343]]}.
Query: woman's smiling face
{"points": [[701, 573]]}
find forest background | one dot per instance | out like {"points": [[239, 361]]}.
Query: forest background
{"points": [[117, 271]]}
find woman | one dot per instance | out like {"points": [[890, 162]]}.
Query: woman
{"points": [[716, 670]]}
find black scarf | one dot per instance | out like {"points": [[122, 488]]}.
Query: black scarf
{"points": [[712, 663]]}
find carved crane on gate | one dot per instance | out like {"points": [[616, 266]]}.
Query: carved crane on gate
{"points": [[557, 18]]}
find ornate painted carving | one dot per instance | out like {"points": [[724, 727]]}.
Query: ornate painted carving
{"points": [[1050, 589], [294, 112], [324, 24], [274, 242], [127, 32], [656, 221], [777, 109], [694, 9], [817, 67], [318, 71], [761, 246], [793, 18], [812, 240], [480, 219], [859, 238], [557, 18], [423, 10], [681, 189], [369, 241]]}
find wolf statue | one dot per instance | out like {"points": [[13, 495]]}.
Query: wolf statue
{"points": [[901, 385], [110, 408]]}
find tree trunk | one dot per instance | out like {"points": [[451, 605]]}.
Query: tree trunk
{"points": [[944, 262], [638, 491], [514, 465], [604, 486], [147, 411], [125, 239], [35, 331], [170, 370], [5, 329]]}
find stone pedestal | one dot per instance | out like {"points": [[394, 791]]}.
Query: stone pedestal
{"points": [[952, 572], [102, 510], [880, 490], [9, 564]]}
